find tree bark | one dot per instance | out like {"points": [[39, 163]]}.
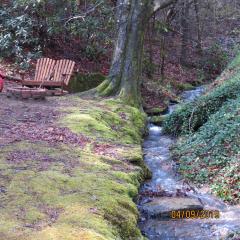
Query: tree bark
{"points": [[199, 37], [151, 27], [124, 77], [185, 31]]}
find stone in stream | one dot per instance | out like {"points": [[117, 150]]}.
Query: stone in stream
{"points": [[157, 120], [162, 207], [156, 110]]}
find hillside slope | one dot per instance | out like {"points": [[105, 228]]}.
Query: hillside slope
{"points": [[209, 148]]}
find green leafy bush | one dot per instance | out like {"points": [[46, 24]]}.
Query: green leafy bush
{"points": [[213, 62], [211, 155], [17, 36], [189, 117], [28, 27], [209, 149]]}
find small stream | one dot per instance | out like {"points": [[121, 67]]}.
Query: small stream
{"points": [[167, 193]]}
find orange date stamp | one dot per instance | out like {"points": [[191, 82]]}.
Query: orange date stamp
{"points": [[195, 214]]}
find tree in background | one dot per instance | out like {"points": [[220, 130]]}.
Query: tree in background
{"points": [[124, 78], [84, 31]]}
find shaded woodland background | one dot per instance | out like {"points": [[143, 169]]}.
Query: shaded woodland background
{"points": [[89, 151], [186, 44]]}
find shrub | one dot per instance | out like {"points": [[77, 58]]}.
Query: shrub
{"points": [[210, 152], [28, 27], [211, 155], [189, 117], [17, 37], [213, 62]]}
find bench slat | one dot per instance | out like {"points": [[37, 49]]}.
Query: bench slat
{"points": [[50, 72]]}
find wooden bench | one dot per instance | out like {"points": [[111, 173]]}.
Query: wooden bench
{"points": [[51, 73]]}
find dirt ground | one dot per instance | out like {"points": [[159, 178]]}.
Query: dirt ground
{"points": [[33, 120]]}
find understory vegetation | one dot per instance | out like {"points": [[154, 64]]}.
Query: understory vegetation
{"points": [[209, 128], [189, 117], [32, 28]]}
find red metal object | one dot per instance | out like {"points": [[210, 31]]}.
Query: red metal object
{"points": [[2, 76]]}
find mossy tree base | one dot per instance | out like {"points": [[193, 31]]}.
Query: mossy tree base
{"points": [[84, 82], [124, 77]]}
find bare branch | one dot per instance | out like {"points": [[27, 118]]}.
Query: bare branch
{"points": [[159, 4], [84, 14]]}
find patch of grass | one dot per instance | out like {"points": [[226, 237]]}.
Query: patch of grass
{"points": [[235, 64]]}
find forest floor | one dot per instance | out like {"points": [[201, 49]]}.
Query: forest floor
{"points": [[69, 168]]}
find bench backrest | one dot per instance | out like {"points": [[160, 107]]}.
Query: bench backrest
{"points": [[44, 69], [63, 71]]}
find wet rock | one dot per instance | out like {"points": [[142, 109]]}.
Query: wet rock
{"points": [[160, 193], [184, 86], [156, 110], [162, 207], [158, 120]]}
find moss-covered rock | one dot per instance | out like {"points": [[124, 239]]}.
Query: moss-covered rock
{"points": [[156, 110], [184, 86], [82, 82], [158, 120]]}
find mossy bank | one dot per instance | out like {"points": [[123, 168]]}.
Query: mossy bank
{"points": [[209, 145], [81, 188]]}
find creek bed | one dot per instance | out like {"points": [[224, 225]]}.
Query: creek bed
{"points": [[172, 208]]}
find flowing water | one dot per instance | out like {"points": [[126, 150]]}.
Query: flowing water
{"points": [[170, 207]]}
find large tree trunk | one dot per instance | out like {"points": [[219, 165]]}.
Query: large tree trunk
{"points": [[125, 71], [124, 77]]}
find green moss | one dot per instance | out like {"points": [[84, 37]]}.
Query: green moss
{"points": [[105, 89], [112, 121], [102, 86], [88, 187], [184, 86], [158, 120], [156, 110], [83, 82], [189, 117], [70, 193]]}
